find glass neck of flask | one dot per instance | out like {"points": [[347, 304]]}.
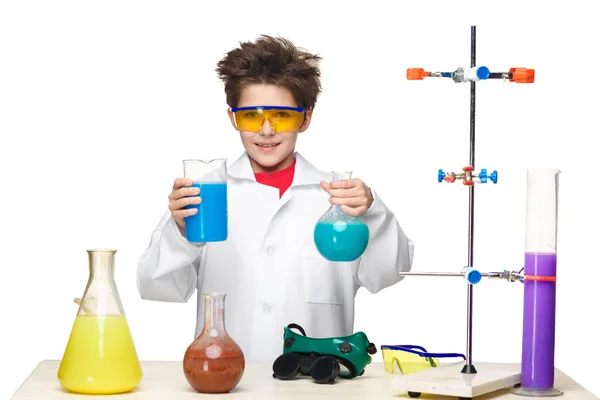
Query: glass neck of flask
{"points": [[214, 313], [339, 176], [102, 264], [101, 296]]}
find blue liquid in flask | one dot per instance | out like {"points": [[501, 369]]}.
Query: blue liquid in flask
{"points": [[341, 241], [341, 237]]}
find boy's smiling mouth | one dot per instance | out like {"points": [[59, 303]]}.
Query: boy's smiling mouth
{"points": [[267, 146]]}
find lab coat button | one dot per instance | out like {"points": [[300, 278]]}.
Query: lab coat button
{"points": [[271, 251], [267, 310]]}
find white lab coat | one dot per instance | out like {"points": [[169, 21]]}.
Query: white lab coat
{"points": [[269, 266]]}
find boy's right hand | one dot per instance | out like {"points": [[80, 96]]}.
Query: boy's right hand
{"points": [[178, 199]]}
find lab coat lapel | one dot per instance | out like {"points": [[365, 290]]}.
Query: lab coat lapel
{"points": [[307, 174], [304, 174], [254, 206], [251, 209]]}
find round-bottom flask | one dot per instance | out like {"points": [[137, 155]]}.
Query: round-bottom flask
{"points": [[341, 237], [214, 362]]}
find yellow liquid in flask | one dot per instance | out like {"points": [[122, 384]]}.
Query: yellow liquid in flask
{"points": [[100, 357]]}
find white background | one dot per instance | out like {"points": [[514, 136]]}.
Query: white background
{"points": [[100, 102]]}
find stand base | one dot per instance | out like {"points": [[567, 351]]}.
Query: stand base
{"points": [[521, 391], [448, 380], [469, 369]]}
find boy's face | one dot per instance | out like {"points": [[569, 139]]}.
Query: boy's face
{"points": [[271, 158]]}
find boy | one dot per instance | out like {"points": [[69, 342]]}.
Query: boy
{"points": [[269, 266]]}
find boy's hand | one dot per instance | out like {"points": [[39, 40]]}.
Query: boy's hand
{"points": [[353, 195], [178, 200]]}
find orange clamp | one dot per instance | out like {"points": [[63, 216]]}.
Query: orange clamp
{"points": [[522, 75], [468, 169], [450, 178], [468, 183], [416, 74]]}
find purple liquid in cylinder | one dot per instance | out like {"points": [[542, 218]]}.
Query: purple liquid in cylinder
{"points": [[537, 369]]}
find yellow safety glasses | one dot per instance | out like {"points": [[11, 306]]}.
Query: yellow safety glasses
{"points": [[282, 119], [410, 359]]}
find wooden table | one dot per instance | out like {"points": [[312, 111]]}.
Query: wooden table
{"points": [[165, 380]]}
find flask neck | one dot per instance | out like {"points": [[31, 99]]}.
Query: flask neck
{"points": [[214, 314], [341, 175], [336, 210], [101, 297], [102, 264]]}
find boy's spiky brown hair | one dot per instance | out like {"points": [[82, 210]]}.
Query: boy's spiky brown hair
{"points": [[275, 61]]}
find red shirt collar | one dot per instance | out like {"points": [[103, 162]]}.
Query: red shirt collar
{"points": [[279, 179]]}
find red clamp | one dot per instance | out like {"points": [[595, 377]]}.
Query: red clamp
{"points": [[468, 181], [450, 178]]}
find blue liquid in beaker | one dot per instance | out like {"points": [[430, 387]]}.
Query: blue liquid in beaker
{"points": [[341, 241], [209, 224]]}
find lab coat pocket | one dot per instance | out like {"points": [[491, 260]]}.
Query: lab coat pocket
{"points": [[323, 280]]}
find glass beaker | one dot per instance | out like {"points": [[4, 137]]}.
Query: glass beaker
{"points": [[209, 224], [341, 237], [214, 362], [100, 357], [539, 306]]}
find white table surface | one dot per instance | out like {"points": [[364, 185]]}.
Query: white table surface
{"points": [[165, 380]]}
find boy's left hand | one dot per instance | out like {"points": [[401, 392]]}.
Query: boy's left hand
{"points": [[353, 195]]}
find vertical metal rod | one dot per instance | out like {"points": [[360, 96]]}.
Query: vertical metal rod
{"points": [[469, 368]]}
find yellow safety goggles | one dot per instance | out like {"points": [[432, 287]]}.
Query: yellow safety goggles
{"points": [[282, 119], [410, 359]]}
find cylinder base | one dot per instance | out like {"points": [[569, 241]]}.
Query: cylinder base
{"points": [[529, 392]]}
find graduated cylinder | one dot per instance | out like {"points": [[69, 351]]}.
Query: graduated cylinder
{"points": [[537, 369]]}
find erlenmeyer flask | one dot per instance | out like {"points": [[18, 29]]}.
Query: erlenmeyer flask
{"points": [[209, 224], [341, 237], [100, 357], [214, 362]]}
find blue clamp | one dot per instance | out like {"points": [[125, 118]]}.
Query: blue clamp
{"points": [[483, 73], [473, 276], [494, 177], [441, 175], [484, 176]]}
